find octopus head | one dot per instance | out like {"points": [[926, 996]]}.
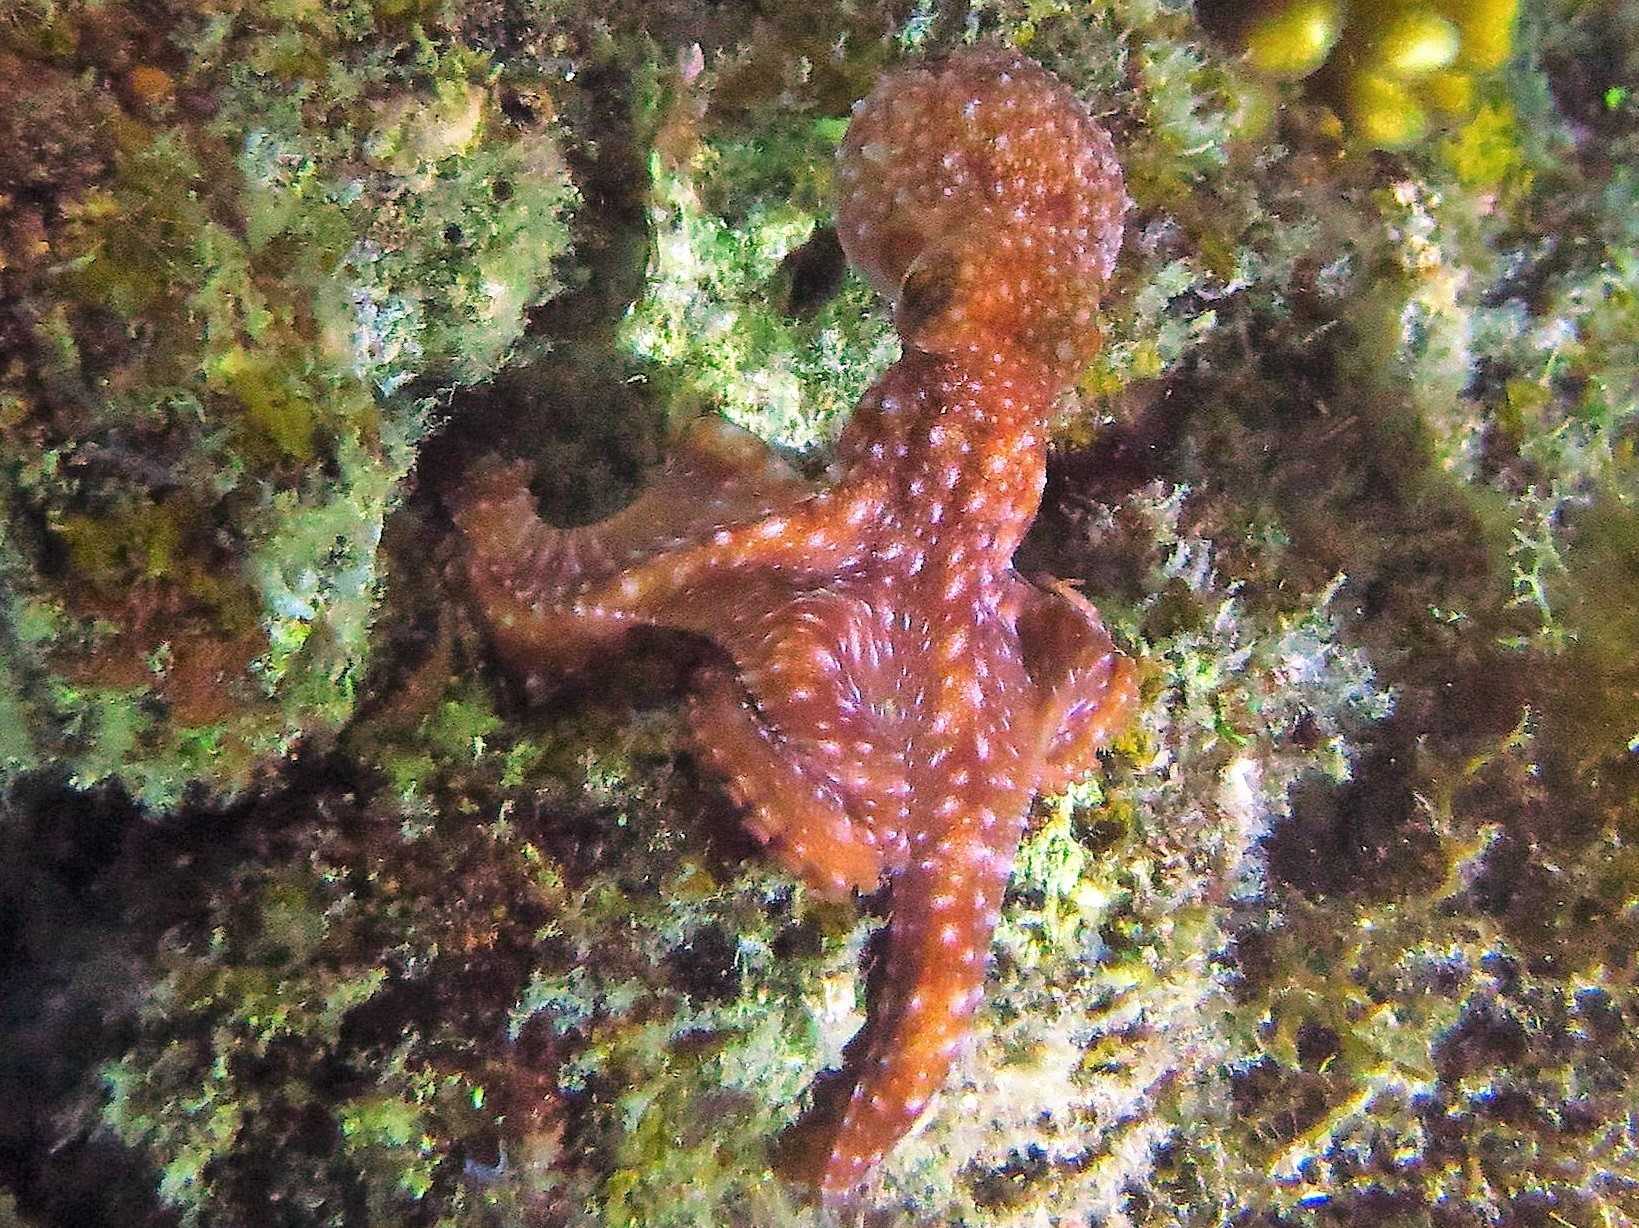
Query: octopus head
{"points": [[979, 194]]}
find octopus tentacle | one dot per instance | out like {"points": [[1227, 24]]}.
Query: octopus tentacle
{"points": [[790, 803], [1088, 688], [943, 909], [520, 571], [719, 475], [801, 541], [813, 669]]}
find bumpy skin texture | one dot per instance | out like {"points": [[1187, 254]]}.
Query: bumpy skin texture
{"points": [[893, 693]]}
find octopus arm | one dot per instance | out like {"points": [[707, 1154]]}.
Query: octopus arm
{"points": [[519, 572], [790, 798], [532, 579], [929, 981], [807, 543], [1087, 688], [820, 768], [719, 474]]}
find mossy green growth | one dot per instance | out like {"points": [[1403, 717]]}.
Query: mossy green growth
{"points": [[303, 1016], [1395, 1032], [695, 1064], [1599, 644], [281, 241], [718, 321], [1342, 931]]}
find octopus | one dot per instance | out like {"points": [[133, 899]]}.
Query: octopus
{"points": [[889, 692]]}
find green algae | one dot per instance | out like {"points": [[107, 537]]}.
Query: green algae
{"points": [[716, 322], [218, 328]]}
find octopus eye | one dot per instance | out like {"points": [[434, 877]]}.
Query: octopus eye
{"points": [[928, 289]]}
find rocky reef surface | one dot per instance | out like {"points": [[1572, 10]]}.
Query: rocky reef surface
{"points": [[309, 916]]}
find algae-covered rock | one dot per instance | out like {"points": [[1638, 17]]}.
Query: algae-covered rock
{"points": [[245, 247], [1342, 931]]}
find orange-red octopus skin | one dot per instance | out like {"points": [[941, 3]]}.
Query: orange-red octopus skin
{"points": [[892, 693]]}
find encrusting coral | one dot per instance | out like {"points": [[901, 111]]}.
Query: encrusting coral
{"points": [[1391, 71], [894, 692]]}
